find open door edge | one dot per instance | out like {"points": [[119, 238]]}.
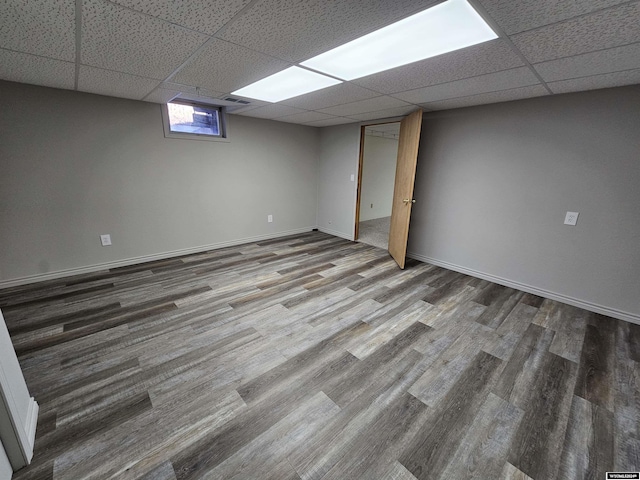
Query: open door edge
{"points": [[356, 231], [399, 250]]}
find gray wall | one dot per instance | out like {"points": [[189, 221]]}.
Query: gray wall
{"points": [[378, 176], [494, 183], [339, 155], [75, 166]]}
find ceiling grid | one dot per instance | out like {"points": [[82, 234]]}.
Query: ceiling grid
{"points": [[157, 49]]}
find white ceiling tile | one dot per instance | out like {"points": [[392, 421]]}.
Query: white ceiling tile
{"points": [[40, 27], [516, 16], [328, 97], [299, 30], [179, 86], [271, 111], [331, 121], [243, 109], [492, 82], [485, 98], [161, 95], [225, 67], [202, 95], [114, 84], [606, 29], [364, 106], [593, 63], [479, 59], [116, 38], [206, 16], [306, 117], [608, 80], [388, 113], [25, 68]]}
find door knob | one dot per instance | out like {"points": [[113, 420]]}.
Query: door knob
{"points": [[406, 200]]}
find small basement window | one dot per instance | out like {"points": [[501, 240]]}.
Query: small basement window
{"points": [[197, 121]]}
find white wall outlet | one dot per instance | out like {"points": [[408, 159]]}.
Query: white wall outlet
{"points": [[270, 218], [353, 177], [571, 218], [105, 240]]}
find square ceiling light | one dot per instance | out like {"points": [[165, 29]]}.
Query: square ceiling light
{"points": [[288, 83], [446, 27]]}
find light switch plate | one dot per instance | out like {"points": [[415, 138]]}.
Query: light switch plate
{"points": [[353, 177], [571, 218], [105, 240]]}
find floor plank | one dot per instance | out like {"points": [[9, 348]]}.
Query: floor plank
{"points": [[312, 357]]}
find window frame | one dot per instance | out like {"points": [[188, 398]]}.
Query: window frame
{"points": [[222, 122]]}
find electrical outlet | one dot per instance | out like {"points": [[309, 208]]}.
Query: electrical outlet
{"points": [[353, 177], [571, 218], [270, 218], [372, 205], [105, 240]]}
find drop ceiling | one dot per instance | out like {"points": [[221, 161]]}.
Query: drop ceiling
{"points": [[153, 50]]}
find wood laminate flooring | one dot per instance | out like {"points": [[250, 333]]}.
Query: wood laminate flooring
{"points": [[311, 357]]}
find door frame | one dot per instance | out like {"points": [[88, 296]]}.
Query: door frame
{"points": [[363, 126]]}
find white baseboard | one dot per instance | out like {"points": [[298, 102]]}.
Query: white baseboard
{"points": [[145, 258], [576, 302], [335, 233], [31, 424]]}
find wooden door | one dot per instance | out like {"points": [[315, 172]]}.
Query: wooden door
{"points": [[403, 191]]}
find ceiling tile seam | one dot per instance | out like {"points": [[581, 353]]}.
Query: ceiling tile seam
{"points": [[189, 59], [349, 82], [315, 121], [483, 93], [307, 111], [454, 81], [417, 106], [379, 94], [284, 116], [240, 13], [610, 7], [148, 15], [380, 118], [118, 71], [212, 38], [586, 53], [298, 63], [22, 52], [501, 33], [209, 41], [596, 75], [244, 10], [368, 99], [78, 32], [291, 64]]}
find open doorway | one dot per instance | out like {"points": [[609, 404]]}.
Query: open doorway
{"points": [[379, 152]]}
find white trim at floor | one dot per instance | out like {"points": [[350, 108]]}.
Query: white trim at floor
{"points": [[576, 302], [145, 258]]}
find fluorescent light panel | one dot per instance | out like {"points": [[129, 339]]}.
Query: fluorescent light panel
{"points": [[449, 26], [288, 83]]}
